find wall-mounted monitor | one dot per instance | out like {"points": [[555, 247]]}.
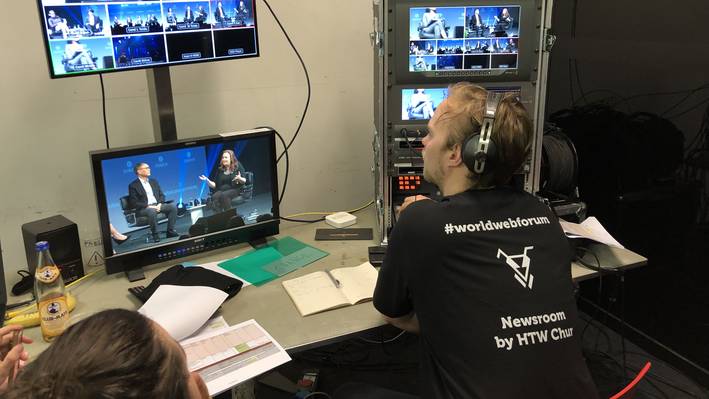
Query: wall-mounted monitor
{"points": [[180, 198], [449, 40], [96, 36]]}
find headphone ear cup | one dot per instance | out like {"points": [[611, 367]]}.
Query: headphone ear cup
{"points": [[470, 153], [469, 150]]}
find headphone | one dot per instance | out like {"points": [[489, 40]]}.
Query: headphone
{"points": [[479, 150]]}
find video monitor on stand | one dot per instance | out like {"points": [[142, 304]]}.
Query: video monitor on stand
{"points": [[93, 36], [168, 200]]}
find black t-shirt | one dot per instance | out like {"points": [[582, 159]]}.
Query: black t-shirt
{"points": [[488, 274]]}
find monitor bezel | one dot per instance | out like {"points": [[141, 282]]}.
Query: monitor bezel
{"points": [[116, 263], [399, 43], [52, 75]]}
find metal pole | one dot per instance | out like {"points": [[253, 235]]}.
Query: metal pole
{"points": [[162, 108]]}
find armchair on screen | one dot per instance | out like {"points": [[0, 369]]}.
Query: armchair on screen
{"points": [[247, 191], [132, 218]]}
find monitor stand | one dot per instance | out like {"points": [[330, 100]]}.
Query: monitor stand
{"points": [[135, 274], [162, 110], [258, 243]]}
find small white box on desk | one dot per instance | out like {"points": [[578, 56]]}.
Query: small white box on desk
{"points": [[340, 219]]}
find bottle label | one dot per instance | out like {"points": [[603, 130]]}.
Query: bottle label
{"points": [[54, 316], [47, 274]]}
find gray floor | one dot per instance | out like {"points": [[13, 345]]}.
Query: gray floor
{"points": [[393, 364]]}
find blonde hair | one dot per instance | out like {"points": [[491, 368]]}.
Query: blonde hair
{"points": [[512, 131]]}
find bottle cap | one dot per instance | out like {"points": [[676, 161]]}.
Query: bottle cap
{"points": [[41, 245]]}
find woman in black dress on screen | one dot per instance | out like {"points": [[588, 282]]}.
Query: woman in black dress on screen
{"points": [[228, 182]]}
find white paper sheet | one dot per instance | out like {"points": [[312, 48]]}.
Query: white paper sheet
{"points": [[590, 228], [211, 325], [182, 310], [229, 356]]}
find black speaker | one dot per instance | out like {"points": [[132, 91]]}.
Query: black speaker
{"points": [[63, 237], [3, 293]]}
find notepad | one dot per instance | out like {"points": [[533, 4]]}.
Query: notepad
{"points": [[319, 291]]}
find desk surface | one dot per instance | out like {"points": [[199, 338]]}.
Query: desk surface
{"points": [[269, 304]]}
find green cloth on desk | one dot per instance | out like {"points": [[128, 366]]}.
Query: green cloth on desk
{"points": [[279, 257]]}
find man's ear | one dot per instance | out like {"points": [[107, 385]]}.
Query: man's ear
{"points": [[455, 155]]}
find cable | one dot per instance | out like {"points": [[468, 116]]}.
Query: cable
{"points": [[307, 79], [600, 285], [685, 98], [33, 307], [103, 107], [330, 213], [290, 218], [571, 84], [706, 100], [285, 179], [578, 80], [302, 220], [655, 359], [405, 135], [371, 341], [313, 394]]}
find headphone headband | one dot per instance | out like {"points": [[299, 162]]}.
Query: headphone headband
{"points": [[481, 155]]}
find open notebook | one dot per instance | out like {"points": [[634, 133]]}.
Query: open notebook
{"points": [[318, 291]]}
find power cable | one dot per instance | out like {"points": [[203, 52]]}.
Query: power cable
{"points": [[103, 107], [291, 218], [307, 79]]}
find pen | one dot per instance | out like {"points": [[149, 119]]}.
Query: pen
{"points": [[334, 280]]}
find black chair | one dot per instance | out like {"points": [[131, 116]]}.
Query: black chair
{"points": [[132, 217], [247, 191]]}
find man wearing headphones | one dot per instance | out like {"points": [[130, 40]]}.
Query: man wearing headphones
{"points": [[483, 275]]}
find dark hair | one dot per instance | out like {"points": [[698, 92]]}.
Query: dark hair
{"points": [[139, 164], [113, 354], [233, 162]]}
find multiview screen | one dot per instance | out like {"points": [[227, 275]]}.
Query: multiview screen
{"points": [[459, 38], [419, 104], [201, 189], [85, 36]]}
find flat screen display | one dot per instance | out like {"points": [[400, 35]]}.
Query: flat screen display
{"points": [[92, 36], [201, 188], [484, 38], [420, 103]]}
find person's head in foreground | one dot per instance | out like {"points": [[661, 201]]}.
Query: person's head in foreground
{"points": [[113, 354]]}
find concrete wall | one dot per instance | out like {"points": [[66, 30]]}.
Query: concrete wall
{"points": [[49, 126]]}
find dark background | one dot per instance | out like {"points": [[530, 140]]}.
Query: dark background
{"points": [[636, 173]]}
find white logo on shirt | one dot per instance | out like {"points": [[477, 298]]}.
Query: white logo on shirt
{"points": [[522, 273]]}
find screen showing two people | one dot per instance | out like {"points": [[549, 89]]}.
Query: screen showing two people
{"points": [[96, 36], [158, 197], [457, 38]]}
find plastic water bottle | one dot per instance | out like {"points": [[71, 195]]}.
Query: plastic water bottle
{"points": [[50, 293]]}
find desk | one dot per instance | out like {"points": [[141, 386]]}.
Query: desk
{"points": [[269, 304]]}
